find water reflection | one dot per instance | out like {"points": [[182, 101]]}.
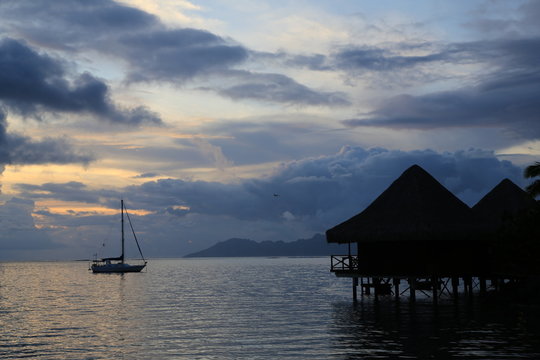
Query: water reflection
{"points": [[58, 310], [464, 330], [239, 309]]}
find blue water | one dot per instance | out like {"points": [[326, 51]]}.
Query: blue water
{"points": [[254, 308]]}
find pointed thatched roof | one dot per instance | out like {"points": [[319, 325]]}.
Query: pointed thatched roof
{"points": [[503, 201], [414, 207]]}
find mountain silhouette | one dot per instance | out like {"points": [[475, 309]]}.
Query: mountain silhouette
{"points": [[315, 246]]}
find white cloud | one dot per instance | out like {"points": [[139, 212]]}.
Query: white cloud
{"points": [[213, 152]]}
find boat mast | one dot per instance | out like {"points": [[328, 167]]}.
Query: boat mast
{"points": [[122, 211]]}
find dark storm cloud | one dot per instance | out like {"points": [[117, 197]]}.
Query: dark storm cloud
{"points": [[178, 54], [20, 150], [323, 191], [31, 82], [281, 89], [505, 103], [70, 191], [508, 96], [23, 151], [153, 51], [68, 24]]}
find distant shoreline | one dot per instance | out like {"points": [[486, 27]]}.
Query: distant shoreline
{"points": [[313, 247]]}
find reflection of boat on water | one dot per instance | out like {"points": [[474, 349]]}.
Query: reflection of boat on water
{"points": [[117, 264]]}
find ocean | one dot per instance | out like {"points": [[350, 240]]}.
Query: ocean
{"points": [[242, 308]]}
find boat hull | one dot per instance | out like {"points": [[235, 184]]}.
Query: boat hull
{"points": [[116, 268]]}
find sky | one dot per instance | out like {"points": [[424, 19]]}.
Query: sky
{"points": [[197, 112]]}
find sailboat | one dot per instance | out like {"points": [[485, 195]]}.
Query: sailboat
{"points": [[118, 264]]}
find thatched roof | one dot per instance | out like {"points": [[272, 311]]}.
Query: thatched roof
{"points": [[414, 207], [502, 202]]}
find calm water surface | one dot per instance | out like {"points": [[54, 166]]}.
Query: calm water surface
{"points": [[254, 308]]}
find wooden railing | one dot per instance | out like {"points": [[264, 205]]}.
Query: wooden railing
{"points": [[344, 263]]}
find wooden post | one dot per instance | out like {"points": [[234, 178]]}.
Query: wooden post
{"points": [[396, 288], [354, 286], [435, 288], [368, 287], [362, 286], [455, 286], [376, 286], [412, 289], [467, 280], [482, 286], [495, 284]]}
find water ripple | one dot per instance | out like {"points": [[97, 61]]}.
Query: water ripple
{"points": [[237, 309]]}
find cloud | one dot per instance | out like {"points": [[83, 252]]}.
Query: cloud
{"points": [[507, 97], [31, 82], [20, 150], [70, 25], [213, 152], [70, 191], [394, 58], [264, 139], [279, 88], [315, 194], [344, 182], [378, 59], [125, 32], [317, 62], [490, 23], [146, 175], [178, 54], [153, 52], [19, 232], [511, 107]]}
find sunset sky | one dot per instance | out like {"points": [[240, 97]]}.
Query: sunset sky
{"points": [[198, 112]]}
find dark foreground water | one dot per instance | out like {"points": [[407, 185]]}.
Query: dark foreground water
{"points": [[255, 308]]}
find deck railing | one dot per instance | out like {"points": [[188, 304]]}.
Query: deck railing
{"points": [[344, 263]]}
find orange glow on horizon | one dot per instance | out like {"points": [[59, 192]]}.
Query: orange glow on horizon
{"points": [[81, 209], [94, 176]]}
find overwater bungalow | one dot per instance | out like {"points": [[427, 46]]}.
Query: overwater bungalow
{"points": [[510, 218], [502, 204], [419, 231]]}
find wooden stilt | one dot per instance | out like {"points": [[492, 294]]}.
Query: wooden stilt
{"points": [[412, 289], [483, 286], [455, 287], [362, 286], [376, 286], [396, 287], [354, 286], [495, 284], [368, 287], [467, 280], [435, 289]]}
